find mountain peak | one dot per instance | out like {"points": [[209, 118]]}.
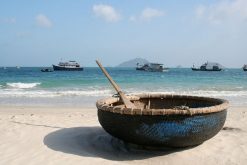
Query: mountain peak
{"points": [[132, 63]]}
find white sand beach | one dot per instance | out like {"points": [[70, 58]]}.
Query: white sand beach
{"points": [[55, 135]]}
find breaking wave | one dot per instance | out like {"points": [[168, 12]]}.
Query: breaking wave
{"points": [[19, 92], [202, 93], [50, 94], [20, 85], [7, 95]]}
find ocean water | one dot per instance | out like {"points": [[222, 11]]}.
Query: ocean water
{"points": [[30, 86]]}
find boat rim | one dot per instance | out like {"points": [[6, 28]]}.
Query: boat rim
{"points": [[106, 105]]}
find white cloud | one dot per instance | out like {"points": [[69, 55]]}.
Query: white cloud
{"points": [[106, 12], [200, 11], [43, 21], [225, 10], [147, 15]]}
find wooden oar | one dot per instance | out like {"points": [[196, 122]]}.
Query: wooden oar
{"points": [[126, 101]]}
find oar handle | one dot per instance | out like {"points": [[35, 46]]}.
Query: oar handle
{"points": [[116, 87], [126, 101]]}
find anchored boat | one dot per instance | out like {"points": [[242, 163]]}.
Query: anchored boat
{"points": [[208, 66], [68, 66], [245, 67], [46, 70], [151, 67]]}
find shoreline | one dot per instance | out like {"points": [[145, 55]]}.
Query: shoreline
{"points": [[91, 105], [44, 108], [62, 135]]}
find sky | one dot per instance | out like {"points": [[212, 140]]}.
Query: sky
{"points": [[178, 32]]}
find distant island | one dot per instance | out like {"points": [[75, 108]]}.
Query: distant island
{"points": [[132, 63]]}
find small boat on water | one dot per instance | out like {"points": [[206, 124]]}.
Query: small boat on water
{"points": [[46, 70], [245, 67], [151, 67], [68, 66], [208, 66]]}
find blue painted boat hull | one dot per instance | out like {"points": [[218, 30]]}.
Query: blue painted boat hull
{"points": [[163, 130]]}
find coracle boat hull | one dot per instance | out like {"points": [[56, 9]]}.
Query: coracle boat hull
{"points": [[164, 127], [157, 131]]}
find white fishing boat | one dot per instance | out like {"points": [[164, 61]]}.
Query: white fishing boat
{"points": [[67, 66], [151, 67], [208, 66], [245, 67]]}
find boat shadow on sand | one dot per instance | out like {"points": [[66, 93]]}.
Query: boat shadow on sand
{"points": [[95, 142]]}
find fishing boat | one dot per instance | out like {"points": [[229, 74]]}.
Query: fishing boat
{"points": [[208, 66], [245, 67], [68, 66], [151, 67], [46, 70], [161, 120]]}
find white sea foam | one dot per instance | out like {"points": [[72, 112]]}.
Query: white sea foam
{"points": [[50, 93], [22, 90], [239, 87], [202, 93], [90, 95], [20, 85]]}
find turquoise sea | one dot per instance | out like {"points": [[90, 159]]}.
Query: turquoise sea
{"points": [[29, 86]]}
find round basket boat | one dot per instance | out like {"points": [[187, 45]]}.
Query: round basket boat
{"points": [[163, 120]]}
